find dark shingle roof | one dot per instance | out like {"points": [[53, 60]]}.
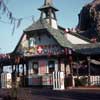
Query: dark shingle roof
{"points": [[92, 48], [59, 37], [40, 24], [55, 33]]}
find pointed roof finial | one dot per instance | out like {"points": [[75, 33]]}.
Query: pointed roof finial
{"points": [[48, 2], [47, 5]]}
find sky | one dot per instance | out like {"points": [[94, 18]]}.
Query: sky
{"points": [[67, 16]]}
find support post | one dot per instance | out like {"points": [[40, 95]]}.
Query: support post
{"points": [[26, 82], [23, 77], [89, 70], [71, 67], [18, 70]]}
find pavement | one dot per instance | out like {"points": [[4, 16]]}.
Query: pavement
{"points": [[79, 93], [85, 88]]}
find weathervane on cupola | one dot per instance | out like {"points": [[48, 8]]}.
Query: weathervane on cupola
{"points": [[48, 13]]}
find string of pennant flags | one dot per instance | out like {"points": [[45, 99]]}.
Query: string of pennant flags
{"points": [[13, 20], [9, 14]]}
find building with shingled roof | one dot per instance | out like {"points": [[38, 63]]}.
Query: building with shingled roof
{"points": [[46, 47]]}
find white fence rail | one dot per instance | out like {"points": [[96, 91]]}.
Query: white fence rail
{"points": [[94, 80]]}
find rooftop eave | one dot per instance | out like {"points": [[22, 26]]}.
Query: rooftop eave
{"points": [[45, 7], [88, 49]]}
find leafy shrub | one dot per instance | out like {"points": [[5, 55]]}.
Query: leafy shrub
{"points": [[81, 81]]}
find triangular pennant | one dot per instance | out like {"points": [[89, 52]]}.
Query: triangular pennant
{"points": [[0, 4], [13, 28], [10, 15], [11, 20], [33, 19], [19, 22], [4, 8]]}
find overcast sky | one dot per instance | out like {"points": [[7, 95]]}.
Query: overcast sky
{"points": [[66, 17]]}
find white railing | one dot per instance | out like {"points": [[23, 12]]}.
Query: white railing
{"points": [[94, 80]]}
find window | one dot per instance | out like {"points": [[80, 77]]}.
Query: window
{"points": [[35, 67], [31, 42], [51, 66]]}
